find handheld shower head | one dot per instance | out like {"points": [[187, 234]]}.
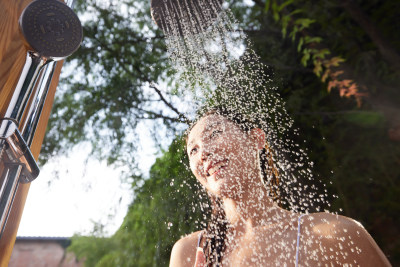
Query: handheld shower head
{"points": [[51, 29], [185, 17]]}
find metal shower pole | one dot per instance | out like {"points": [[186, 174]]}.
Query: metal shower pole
{"points": [[51, 32]]}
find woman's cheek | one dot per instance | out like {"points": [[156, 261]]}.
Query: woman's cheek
{"points": [[196, 170], [193, 168]]}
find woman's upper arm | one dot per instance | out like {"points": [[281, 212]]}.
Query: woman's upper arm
{"points": [[376, 256], [369, 253], [335, 238], [176, 255], [184, 251]]}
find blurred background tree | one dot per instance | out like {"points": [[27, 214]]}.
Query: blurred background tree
{"points": [[337, 66], [166, 206]]}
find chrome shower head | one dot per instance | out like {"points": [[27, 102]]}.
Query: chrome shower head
{"points": [[51, 29], [185, 17]]}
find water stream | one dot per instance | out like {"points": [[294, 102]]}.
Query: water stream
{"points": [[217, 66]]}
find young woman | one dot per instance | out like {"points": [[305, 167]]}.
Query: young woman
{"points": [[229, 157]]}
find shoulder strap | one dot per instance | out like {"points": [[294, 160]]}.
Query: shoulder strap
{"points": [[200, 238], [298, 239]]}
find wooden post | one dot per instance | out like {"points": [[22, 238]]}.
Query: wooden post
{"points": [[12, 58]]}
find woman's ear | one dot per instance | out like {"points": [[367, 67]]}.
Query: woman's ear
{"points": [[259, 137]]}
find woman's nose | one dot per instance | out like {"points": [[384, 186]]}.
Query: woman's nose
{"points": [[205, 154]]}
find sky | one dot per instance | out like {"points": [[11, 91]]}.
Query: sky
{"points": [[79, 196], [73, 201]]}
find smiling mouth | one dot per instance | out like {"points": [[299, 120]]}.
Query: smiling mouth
{"points": [[217, 167]]}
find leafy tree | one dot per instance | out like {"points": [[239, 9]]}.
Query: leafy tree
{"points": [[120, 62], [166, 207]]}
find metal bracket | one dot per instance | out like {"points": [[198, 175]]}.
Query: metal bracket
{"points": [[17, 151]]}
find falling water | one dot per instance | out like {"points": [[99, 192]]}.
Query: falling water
{"points": [[215, 65]]}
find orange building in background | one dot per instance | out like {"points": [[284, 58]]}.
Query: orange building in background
{"points": [[43, 252]]}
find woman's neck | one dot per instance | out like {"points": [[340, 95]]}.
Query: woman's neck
{"points": [[254, 208]]}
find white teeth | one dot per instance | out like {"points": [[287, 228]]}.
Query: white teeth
{"points": [[215, 168]]}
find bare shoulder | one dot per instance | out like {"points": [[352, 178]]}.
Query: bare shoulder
{"points": [[324, 223], [328, 225], [344, 238], [184, 251]]}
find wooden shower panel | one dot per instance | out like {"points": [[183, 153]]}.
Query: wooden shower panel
{"points": [[12, 58]]}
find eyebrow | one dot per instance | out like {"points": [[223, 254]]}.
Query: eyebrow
{"points": [[207, 129]]}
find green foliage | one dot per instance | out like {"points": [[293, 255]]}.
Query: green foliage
{"points": [[166, 207], [322, 36], [91, 249], [108, 90], [366, 119]]}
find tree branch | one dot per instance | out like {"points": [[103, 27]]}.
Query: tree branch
{"points": [[137, 39], [158, 116], [182, 117]]}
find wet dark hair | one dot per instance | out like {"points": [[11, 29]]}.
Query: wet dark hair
{"points": [[217, 227]]}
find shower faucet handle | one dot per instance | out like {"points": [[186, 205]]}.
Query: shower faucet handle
{"points": [[15, 151]]}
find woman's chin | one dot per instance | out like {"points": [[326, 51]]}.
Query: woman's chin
{"points": [[224, 187], [216, 184]]}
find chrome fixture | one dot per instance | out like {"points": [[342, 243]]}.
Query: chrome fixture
{"points": [[51, 31]]}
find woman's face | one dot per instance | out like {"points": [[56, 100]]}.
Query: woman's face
{"points": [[223, 157]]}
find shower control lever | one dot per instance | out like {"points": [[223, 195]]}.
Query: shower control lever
{"points": [[17, 151]]}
